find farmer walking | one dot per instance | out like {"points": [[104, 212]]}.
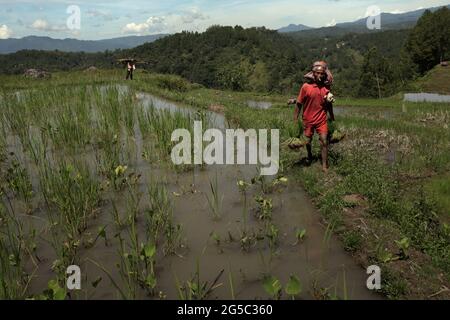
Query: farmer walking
{"points": [[316, 100], [130, 68]]}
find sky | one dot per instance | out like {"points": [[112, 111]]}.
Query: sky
{"points": [[89, 20]]}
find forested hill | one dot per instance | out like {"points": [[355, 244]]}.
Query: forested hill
{"points": [[365, 64], [372, 65], [264, 60], [228, 57], [18, 62], [234, 58]]}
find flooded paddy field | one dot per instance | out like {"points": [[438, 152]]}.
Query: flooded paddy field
{"points": [[88, 181]]}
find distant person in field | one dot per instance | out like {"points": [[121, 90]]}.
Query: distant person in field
{"points": [[130, 68], [316, 100]]}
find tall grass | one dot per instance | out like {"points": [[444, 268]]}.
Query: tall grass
{"points": [[13, 280], [72, 196], [159, 219], [215, 198]]}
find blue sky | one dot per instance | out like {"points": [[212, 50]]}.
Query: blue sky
{"points": [[108, 19]]}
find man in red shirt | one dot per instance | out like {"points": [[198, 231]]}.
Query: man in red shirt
{"points": [[313, 99]]}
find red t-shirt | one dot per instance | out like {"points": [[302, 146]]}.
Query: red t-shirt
{"points": [[312, 98]]}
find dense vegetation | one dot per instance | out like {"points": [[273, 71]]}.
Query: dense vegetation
{"points": [[429, 41], [16, 63], [374, 64], [231, 58]]}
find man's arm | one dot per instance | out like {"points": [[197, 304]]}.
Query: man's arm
{"points": [[330, 110], [298, 103], [329, 104]]}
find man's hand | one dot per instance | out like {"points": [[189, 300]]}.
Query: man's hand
{"points": [[330, 111], [292, 101], [330, 98]]}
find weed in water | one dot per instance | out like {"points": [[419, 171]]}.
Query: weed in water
{"points": [[195, 288], [273, 287], [293, 287], [214, 199], [300, 235], [19, 182], [265, 207]]}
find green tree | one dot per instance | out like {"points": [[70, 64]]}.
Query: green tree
{"points": [[429, 41], [376, 79]]}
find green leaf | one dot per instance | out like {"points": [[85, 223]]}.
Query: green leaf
{"points": [[149, 250], [102, 232], [300, 234], [272, 286], [403, 244], [58, 292], [151, 281], [293, 287]]}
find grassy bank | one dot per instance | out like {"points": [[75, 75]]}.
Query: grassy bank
{"points": [[436, 81]]}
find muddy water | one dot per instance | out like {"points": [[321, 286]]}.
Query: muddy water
{"points": [[318, 261], [314, 260], [369, 112], [216, 120], [426, 97]]}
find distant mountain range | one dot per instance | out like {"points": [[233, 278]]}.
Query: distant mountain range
{"points": [[294, 28], [389, 21], [74, 45]]}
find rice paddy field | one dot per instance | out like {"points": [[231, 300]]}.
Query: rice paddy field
{"points": [[87, 180]]}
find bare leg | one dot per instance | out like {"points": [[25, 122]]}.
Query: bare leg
{"points": [[309, 149], [324, 147]]}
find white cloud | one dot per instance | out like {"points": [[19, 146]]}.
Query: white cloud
{"points": [[135, 28], [169, 23], [5, 32], [40, 24], [43, 25], [397, 11]]}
